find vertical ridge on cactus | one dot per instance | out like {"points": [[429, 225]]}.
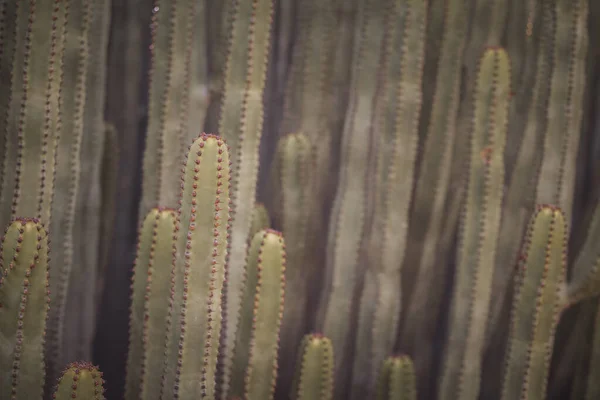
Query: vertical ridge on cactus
{"points": [[150, 304], [314, 369], [254, 363], [538, 301], [397, 379], [23, 309], [80, 380]]}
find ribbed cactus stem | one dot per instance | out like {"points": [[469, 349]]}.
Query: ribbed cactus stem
{"points": [[314, 369], [260, 220], [538, 300], [198, 272], [397, 379], [480, 226], [23, 309], [80, 380], [254, 364], [585, 276], [241, 124], [150, 304]]}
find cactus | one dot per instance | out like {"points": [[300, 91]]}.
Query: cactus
{"points": [[538, 301], [397, 379], [241, 124], [150, 304], [23, 309], [80, 380], [260, 220], [399, 114], [291, 173], [194, 319], [480, 225], [254, 364], [314, 369]]}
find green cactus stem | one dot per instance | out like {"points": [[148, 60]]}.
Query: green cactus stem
{"points": [[539, 298], [254, 364], [399, 113], [241, 124], [150, 304], [480, 225], [314, 369], [260, 220], [585, 275], [169, 99], [80, 380], [23, 309], [194, 317], [397, 379], [75, 66]]}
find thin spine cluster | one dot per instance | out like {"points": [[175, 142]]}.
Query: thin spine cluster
{"points": [[585, 275], [24, 303], [80, 380], [396, 158], [291, 175], [198, 272], [479, 228], [538, 301], [314, 369], [241, 124], [169, 98], [254, 364], [348, 216], [397, 379], [150, 287], [75, 65]]}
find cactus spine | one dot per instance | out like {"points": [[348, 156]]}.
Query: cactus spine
{"points": [[254, 364], [198, 272], [397, 379], [539, 299], [81, 380], [314, 371], [480, 225], [241, 124], [150, 304], [23, 309]]}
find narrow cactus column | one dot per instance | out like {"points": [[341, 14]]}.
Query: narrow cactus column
{"points": [[80, 380], [241, 124], [33, 122], [592, 386], [585, 275], [348, 217], [314, 369], [23, 309], [397, 379], [75, 67], [399, 110], [260, 220], [198, 272], [150, 304], [538, 301], [169, 99], [254, 363], [480, 225], [291, 172]]}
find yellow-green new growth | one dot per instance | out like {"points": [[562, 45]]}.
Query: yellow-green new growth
{"points": [[539, 298], [150, 295], [81, 380], [479, 229], [23, 309], [314, 369], [194, 318], [254, 364], [397, 379]]}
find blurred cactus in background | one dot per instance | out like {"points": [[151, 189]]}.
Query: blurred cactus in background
{"points": [[368, 173]]}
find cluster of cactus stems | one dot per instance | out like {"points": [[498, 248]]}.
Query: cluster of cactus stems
{"points": [[435, 131]]}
